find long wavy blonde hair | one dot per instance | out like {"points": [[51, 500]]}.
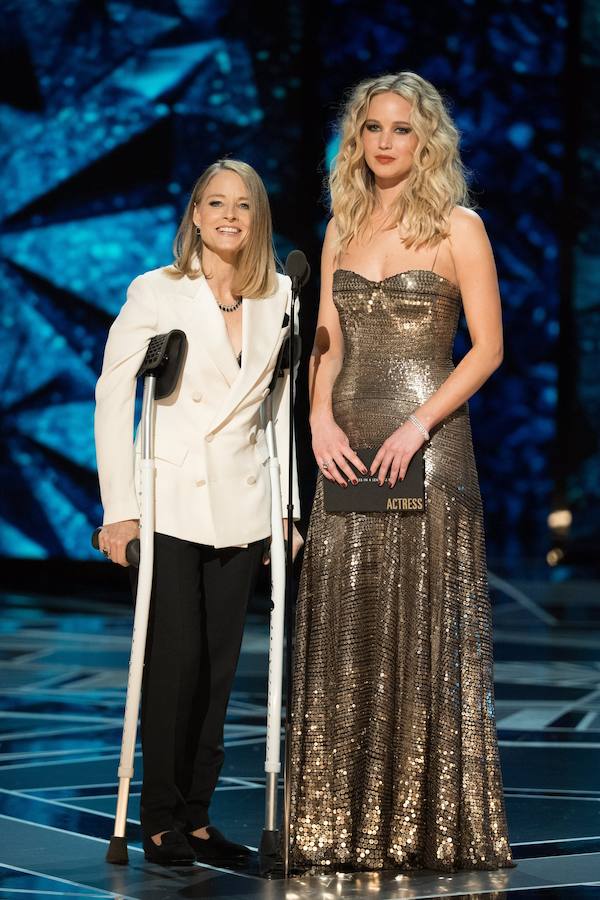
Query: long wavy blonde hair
{"points": [[436, 183], [255, 271]]}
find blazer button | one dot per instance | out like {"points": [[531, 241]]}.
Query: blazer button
{"points": [[196, 396], [266, 392], [209, 438], [250, 479], [200, 483]]}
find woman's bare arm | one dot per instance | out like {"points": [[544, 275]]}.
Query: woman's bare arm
{"points": [[330, 444], [478, 282]]}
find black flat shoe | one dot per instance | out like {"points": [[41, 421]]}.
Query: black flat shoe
{"points": [[216, 847], [174, 850]]}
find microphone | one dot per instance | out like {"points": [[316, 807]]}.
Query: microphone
{"points": [[298, 269]]}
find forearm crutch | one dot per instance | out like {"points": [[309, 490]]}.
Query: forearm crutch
{"points": [[281, 585], [270, 840], [160, 370]]}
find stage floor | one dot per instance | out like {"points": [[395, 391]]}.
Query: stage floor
{"points": [[63, 664]]}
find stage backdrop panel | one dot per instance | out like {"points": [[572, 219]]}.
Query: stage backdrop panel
{"points": [[112, 109]]}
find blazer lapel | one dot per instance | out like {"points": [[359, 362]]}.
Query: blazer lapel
{"points": [[261, 328], [212, 330]]}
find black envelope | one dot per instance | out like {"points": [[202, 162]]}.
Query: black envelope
{"points": [[367, 496]]}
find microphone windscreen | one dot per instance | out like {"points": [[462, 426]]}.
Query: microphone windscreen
{"points": [[297, 267]]}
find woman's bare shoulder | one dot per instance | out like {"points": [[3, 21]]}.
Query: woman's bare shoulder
{"points": [[330, 237], [330, 241], [465, 221], [464, 217], [467, 229]]}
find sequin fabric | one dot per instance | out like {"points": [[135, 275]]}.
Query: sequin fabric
{"points": [[394, 757]]}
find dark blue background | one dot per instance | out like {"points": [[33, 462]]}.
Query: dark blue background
{"points": [[111, 110]]}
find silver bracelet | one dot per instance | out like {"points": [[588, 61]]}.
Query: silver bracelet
{"points": [[419, 425]]}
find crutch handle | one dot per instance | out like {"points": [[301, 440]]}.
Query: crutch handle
{"points": [[132, 551]]}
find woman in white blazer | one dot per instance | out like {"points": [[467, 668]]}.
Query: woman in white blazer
{"points": [[212, 487]]}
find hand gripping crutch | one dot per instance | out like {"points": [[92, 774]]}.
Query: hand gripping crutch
{"points": [[298, 269], [160, 370]]}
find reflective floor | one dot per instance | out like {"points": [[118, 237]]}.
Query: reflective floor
{"points": [[62, 669]]}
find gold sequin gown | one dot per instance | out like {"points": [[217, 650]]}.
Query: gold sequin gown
{"points": [[394, 757]]}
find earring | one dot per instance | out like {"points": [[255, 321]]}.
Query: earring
{"points": [[198, 232]]}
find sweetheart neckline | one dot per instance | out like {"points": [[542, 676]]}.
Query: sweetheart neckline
{"points": [[398, 274]]}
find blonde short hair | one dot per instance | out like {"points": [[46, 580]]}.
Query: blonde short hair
{"points": [[256, 273], [436, 183]]}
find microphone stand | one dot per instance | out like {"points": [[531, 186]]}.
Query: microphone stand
{"points": [[289, 589]]}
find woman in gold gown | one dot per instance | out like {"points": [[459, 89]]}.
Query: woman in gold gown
{"points": [[394, 750]]}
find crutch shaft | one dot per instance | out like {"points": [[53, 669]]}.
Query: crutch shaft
{"points": [[138, 642], [273, 749], [142, 610], [121, 812], [272, 779], [272, 760], [270, 838]]}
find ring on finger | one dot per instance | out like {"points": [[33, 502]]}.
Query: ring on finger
{"points": [[106, 552], [325, 465]]}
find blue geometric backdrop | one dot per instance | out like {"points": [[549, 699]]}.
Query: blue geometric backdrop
{"points": [[111, 111], [581, 428]]}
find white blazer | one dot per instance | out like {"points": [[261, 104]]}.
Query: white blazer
{"points": [[212, 478]]}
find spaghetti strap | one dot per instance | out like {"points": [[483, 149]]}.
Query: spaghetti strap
{"points": [[436, 254]]}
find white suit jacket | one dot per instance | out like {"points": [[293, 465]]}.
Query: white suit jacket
{"points": [[212, 478]]}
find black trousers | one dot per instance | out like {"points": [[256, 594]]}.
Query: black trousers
{"points": [[197, 612]]}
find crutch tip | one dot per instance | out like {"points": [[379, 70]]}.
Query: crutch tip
{"points": [[117, 851], [270, 843]]}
